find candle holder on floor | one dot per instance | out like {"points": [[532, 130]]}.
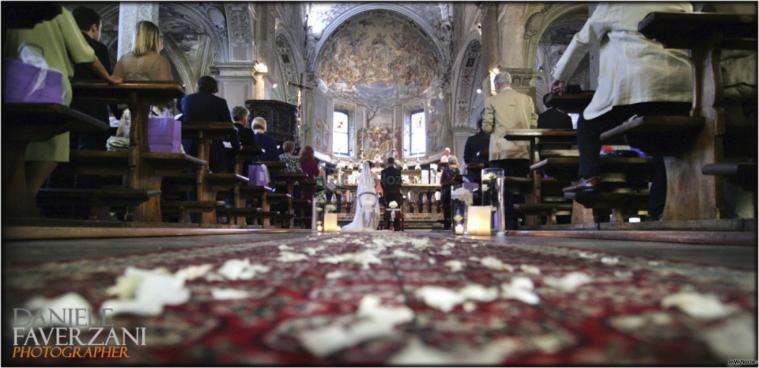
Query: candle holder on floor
{"points": [[492, 188], [461, 199], [323, 215]]}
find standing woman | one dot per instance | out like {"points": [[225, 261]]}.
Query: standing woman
{"points": [[144, 62], [310, 167], [62, 45]]}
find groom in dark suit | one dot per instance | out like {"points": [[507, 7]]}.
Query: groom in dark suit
{"points": [[391, 187]]}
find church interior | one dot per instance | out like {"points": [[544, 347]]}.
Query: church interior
{"points": [[379, 183]]}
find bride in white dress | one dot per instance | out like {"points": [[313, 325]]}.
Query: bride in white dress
{"points": [[367, 211]]}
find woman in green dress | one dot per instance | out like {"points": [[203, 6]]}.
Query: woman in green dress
{"points": [[62, 46]]}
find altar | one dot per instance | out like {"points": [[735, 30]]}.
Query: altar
{"points": [[420, 189]]}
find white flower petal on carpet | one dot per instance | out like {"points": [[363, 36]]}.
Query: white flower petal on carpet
{"points": [[530, 269], [59, 306], [496, 264], [455, 265], [702, 306], [291, 257], [375, 321], [733, 339], [193, 272], [440, 298], [154, 290], [417, 353], [241, 269], [610, 260], [520, 288], [229, 294], [568, 282]]}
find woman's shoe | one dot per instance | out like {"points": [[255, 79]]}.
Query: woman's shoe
{"points": [[584, 185]]}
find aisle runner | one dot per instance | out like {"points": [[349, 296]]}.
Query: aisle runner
{"points": [[397, 299]]}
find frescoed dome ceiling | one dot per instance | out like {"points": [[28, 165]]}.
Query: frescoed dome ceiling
{"points": [[378, 57]]}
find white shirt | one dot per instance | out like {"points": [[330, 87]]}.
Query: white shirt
{"points": [[633, 68]]}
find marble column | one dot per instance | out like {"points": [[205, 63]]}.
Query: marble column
{"points": [[236, 82], [460, 134], [129, 15]]}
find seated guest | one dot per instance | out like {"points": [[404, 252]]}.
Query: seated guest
{"points": [[144, 62], [553, 118], [447, 179], [90, 24], [476, 153], [204, 106], [391, 180], [310, 166], [268, 146], [638, 76], [244, 134], [62, 45], [289, 157]]}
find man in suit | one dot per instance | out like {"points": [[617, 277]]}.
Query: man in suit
{"points": [[508, 110], [391, 180], [270, 151], [553, 118], [245, 138], [89, 23], [476, 153], [203, 106]]}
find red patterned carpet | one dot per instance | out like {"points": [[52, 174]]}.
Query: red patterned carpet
{"points": [[299, 302]]}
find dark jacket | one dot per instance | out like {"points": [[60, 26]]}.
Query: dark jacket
{"points": [[554, 119], [97, 110], [269, 147], [205, 107], [476, 151], [391, 181], [245, 135]]}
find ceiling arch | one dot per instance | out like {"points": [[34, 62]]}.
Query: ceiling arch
{"points": [[334, 25]]}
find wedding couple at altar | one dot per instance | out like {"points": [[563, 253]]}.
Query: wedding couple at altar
{"points": [[366, 206]]}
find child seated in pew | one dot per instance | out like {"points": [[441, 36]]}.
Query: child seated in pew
{"points": [[61, 45]]}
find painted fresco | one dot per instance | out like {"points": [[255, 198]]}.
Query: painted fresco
{"points": [[378, 59]]}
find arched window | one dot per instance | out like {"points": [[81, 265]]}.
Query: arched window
{"points": [[415, 135], [340, 133]]}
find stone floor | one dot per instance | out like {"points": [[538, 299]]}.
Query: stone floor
{"points": [[51, 250]]}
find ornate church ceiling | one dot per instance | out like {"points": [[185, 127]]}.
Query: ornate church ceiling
{"points": [[378, 57]]}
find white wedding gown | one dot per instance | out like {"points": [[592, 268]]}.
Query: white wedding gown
{"points": [[367, 213]]}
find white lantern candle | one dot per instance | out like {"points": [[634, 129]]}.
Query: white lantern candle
{"points": [[459, 229], [330, 223], [478, 220]]}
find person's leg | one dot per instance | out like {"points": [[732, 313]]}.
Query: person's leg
{"points": [[657, 195], [36, 174]]}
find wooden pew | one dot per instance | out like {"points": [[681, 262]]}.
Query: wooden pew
{"points": [[570, 102], [691, 195], [534, 204], [99, 199], [145, 168], [208, 184], [24, 123]]}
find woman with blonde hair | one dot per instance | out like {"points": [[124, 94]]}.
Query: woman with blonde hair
{"points": [[145, 62]]}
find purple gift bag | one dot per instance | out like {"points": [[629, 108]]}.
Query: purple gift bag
{"points": [[28, 83], [164, 134], [258, 175]]}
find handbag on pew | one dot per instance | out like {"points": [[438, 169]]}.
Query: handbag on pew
{"points": [[258, 175]]}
